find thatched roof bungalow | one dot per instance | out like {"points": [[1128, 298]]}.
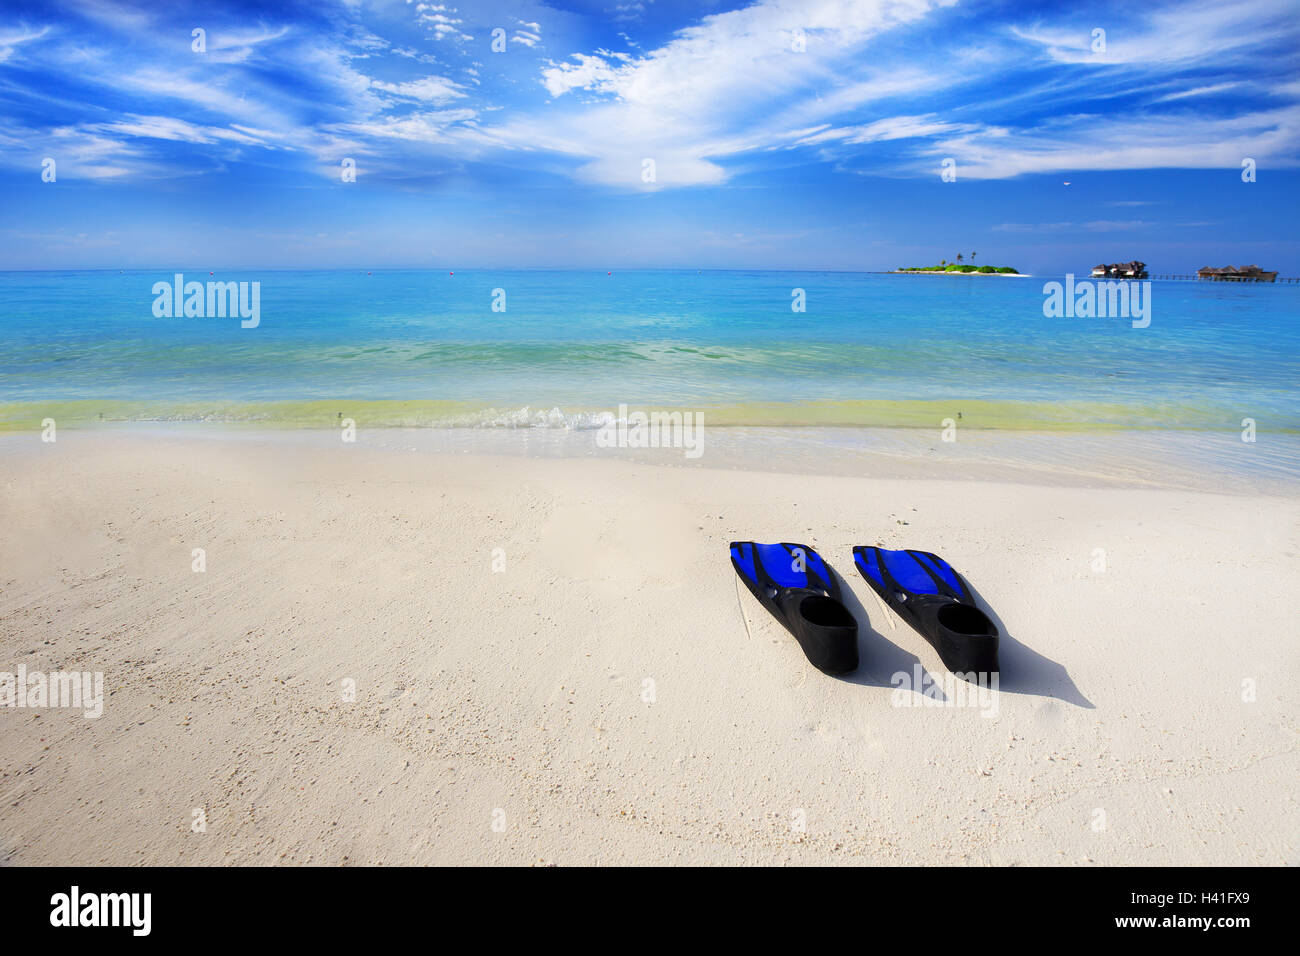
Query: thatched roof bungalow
{"points": [[1250, 273], [1121, 270]]}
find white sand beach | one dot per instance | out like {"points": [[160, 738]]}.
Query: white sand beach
{"points": [[554, 664]]}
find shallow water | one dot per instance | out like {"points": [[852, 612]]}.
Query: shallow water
{"points": [[821, 390], [1213, 353]]}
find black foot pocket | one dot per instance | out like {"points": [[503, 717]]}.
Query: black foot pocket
{"points": [[826, 631]]}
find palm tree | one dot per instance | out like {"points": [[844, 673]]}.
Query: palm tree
{"points": [[943, 262], [959, 257], [972, 257]]}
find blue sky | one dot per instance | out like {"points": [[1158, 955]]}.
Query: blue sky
{"points": [[784, 135]]}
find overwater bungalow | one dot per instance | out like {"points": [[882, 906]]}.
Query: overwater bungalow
{"points": [[1236, 274], [1120, 270]]}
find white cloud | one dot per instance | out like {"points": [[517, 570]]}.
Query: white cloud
{"points": [[1189, 32], [431, 126], [169, 128], [730, 90], [1110, 142], [588, 73], [895, 127], [714, 89], [1198, 91], [628, 11], [439, 18], [428, 89], [1094, 225], [79, 153], [10, 40], [1033, 226], [238, 47], [194, 91], [527, 32]]}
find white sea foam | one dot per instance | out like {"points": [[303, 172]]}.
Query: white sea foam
{"points": [[529, 417]]}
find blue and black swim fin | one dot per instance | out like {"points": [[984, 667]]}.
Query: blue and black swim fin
{"points": [[797, 587], [925, 591]]}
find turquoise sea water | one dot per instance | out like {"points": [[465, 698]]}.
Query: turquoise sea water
{"points": [[866, 347]]}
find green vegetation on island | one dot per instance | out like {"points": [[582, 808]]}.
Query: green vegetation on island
{"points": [[946, 266], [981, 270]]}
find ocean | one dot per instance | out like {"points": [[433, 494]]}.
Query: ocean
{"points": [[554, 349]]}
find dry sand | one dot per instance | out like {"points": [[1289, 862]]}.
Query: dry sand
{"points": [[599, 690]]}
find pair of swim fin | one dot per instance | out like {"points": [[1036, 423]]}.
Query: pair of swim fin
{"points": [[799, 589]]}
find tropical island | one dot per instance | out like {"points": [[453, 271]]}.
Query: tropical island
{"points": [[945, 266]]}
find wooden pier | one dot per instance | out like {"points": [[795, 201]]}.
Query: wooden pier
{"points": [[1196, 278]]}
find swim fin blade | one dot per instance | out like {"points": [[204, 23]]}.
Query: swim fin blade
{"points": [[799, 590], [925, 591]]}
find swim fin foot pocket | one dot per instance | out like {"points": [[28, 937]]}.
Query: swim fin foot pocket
{"points": [[799, 590], [925, 591]]}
